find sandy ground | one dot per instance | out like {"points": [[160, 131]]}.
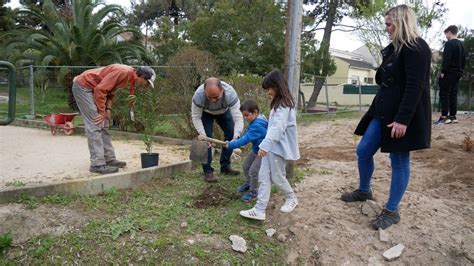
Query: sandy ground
{"points": [[33, 156], [437, 211]]}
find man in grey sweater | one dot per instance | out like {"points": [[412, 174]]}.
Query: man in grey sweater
{"points": [[217, 100]]}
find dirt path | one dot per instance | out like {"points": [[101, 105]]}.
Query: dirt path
{"points": [[33, 156], [437, 212]]}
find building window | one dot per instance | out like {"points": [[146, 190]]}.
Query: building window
{"points": [[369, 80], [354, 80]]}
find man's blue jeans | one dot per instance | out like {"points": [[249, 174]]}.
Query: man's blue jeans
{"points": [[400, 161], [226, 123]]}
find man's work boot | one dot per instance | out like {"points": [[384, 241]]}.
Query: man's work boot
{"points": [[103, 169], [116, 163], [230, 171], [210, 177]]}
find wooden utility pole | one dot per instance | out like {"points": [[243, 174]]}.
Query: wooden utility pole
{"points": [[292, 57]]}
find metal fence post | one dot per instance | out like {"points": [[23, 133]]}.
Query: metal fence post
{"points": [[326, 90], [360, 94], [32, 92]]}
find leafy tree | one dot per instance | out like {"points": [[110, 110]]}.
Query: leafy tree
{"points": [[370, 25], [466, 84], [245, 36], [88, 38], [169, 38], [150, 13], [331, 12]]}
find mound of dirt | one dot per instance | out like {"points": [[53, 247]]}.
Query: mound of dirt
{"points": [[213, 196]]}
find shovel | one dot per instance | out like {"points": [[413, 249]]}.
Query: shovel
{"points": [[199, 151], [200, 147]]}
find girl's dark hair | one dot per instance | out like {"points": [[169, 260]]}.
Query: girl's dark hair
{"points": [[250, 106], [277, 81]]}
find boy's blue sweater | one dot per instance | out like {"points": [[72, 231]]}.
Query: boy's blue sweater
{"points": [[255, 133]]}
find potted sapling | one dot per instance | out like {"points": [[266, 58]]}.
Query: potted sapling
{"points": [[146, 110]]}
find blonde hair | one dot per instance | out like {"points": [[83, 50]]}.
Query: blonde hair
{"points": [[406, 31]]}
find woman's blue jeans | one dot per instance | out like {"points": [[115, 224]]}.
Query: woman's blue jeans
{"points": [[400, 162]]}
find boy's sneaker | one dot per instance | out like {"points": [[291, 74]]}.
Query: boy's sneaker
{"points": [[253, 214], [357, 195], [441, 121], [385, 219], [249, 196], [103, 169], [244, 187], [451, 119], [289, 205]]}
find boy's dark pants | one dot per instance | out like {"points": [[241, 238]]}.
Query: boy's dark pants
{"points": [[448, 93]]}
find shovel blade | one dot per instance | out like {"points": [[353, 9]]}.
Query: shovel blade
{"points": [[198, 151]]}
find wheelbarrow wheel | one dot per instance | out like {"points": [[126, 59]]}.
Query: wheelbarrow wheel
{"points": [[68, 128]]}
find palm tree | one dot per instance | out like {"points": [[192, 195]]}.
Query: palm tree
{"points": [[88, 37]]}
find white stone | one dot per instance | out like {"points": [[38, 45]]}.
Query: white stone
{"points": [[394, 252], [183, 225], [270, 232], [238, 243], [190, 241], [383, 236]]}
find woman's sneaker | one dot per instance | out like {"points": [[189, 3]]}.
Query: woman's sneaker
{"points": [[357, 195], [249, 196], [385, 219], [289, 205], [253, 214]]}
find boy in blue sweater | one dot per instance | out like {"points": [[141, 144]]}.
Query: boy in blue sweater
{"points": [[256, 131]]}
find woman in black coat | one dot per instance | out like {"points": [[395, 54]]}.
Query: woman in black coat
{"points": [[399, 118]]}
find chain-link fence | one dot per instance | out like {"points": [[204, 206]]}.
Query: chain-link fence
{"points": [[352, 93], [335, 93]]}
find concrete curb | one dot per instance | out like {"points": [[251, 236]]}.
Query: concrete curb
{"points": [[116, 133], [98, 184]]}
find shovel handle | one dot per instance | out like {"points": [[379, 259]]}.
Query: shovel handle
{"points": [[216, 141]]}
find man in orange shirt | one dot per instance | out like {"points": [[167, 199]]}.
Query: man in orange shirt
{"points": [[94, 91]]}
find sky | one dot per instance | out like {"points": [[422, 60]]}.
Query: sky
{"points": [[460, 12]]}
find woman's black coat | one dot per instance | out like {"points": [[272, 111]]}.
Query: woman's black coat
{"points": [[403, 97]]}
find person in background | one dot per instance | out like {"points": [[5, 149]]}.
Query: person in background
{"points": [[454, 60], [256, 131], [94, 91], [280, 144], [399, 118], [217, 100]]}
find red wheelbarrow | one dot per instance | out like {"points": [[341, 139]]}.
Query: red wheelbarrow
{"points": [[61, 120]]}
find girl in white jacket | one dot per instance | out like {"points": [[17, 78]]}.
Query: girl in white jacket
{"points": [[280, 144]]}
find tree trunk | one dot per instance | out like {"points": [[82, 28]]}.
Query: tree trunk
{"points": [[324, 52], [67, 83], [318, 85]]}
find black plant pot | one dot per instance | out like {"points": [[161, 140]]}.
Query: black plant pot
{"points": [[149, 159]]}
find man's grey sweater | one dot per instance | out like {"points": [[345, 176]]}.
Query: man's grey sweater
{"points": [[229, 101]]}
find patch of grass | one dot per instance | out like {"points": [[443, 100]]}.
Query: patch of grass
{"points": [[5, 242], [123, 225], [141, 226], [30, 202], [15, 183]]}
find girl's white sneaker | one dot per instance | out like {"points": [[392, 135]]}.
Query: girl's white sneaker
{"points": [[253, 214], [289, 205]]}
